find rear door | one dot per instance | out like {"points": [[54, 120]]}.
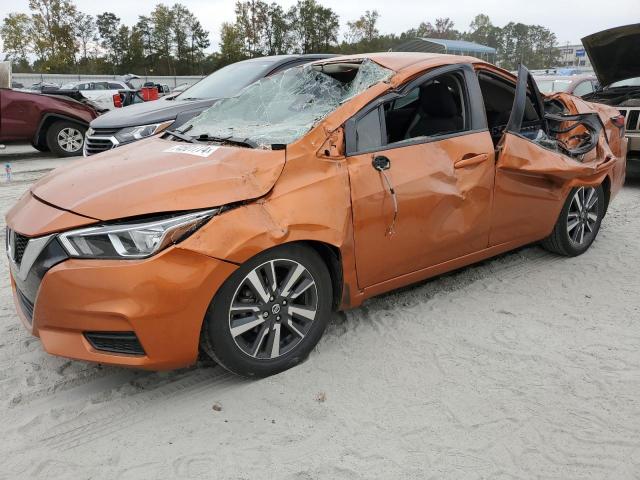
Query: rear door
{"points": [[419, 199], [531, 172]]}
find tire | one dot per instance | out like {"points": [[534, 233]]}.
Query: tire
{"points": [[65, 139], [41, 147], [269, 329], [577, 228]]}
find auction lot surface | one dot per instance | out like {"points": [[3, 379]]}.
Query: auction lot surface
{"points": [[522, 367]]}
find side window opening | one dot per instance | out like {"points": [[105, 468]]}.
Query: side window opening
{"points": [[499, 95], [435, 108], [369, 131], [572, 135], [438, 107]]}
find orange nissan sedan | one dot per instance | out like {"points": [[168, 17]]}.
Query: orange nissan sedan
{"points": [[310, 191]]}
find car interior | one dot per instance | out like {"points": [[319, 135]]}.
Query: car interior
{"points": [[498, 96], [575, 140], [439, 107], [436, 107]]}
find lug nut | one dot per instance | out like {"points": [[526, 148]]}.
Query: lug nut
{"points": [[284, 302], [265, 314], [271, 299], [278, 318]]}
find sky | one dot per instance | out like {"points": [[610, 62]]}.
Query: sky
{"points": [[569, 20]]}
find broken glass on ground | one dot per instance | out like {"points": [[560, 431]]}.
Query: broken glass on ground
{"points": [[282, 108]]}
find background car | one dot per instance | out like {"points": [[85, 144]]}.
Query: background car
{"points": [[101, 93], [181, 88], [615, 56], [50, 122], [139, 121], [40, 86], [577, 85], [163, 89]]}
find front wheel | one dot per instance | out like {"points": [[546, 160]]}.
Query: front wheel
{"points": [[579, 222], [270, 313]]}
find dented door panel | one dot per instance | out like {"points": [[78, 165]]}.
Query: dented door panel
{"points": [[443, 211]]}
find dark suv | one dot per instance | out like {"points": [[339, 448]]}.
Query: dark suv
{"points": [[56, 123], [135, 122]]}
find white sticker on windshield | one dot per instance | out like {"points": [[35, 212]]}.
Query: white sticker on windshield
{"points": [[199, 150]]}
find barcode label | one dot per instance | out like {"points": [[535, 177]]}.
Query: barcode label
{"points": [[199, 150]]}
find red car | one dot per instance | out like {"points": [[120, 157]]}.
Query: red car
{"points": [[53, 123]]}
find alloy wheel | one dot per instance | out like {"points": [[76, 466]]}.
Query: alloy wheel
{"points": [[70, 139], [273, 309], [583, 215]]}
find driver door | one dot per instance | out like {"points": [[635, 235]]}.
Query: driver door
{"points": [[418, 202]]}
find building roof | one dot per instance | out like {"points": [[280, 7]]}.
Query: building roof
{"points": [[447, 46]]}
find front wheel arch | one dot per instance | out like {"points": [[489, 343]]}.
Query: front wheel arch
{"points": [[218, 343], [49, 119]]}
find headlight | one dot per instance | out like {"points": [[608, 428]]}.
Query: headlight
{"points": [[132, 240], [130, 134]]}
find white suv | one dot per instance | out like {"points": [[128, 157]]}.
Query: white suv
{"points": [[101, 93]]}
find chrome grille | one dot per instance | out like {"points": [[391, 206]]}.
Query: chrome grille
{"points": [[632, 116], [19, 247], [105, 132], [93, 144], [16, 245]]}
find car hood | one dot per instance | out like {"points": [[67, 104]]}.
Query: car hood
{"points": [[150, 176], [614, 53], [145, 113]]}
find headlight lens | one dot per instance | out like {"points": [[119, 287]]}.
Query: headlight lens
{"points": [[132, 240], [130, 134]]}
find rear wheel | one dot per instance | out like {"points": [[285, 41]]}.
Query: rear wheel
{"points": [[579, 222], [270, 313], [65, 139], [40, 147]]}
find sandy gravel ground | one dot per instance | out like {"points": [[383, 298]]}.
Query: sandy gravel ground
{"points": [[523, 367]]}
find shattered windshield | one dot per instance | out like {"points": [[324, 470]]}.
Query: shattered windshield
{"points": [[281, 108]]}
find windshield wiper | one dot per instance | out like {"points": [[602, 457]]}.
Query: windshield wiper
{"points": [[182, 136], [190, 98], [245, 142]]}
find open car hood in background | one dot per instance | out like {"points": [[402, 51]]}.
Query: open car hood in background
{"points": [[614, 53], [144, 178]]}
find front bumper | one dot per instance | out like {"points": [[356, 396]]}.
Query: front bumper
{"points": [[162, 300]]}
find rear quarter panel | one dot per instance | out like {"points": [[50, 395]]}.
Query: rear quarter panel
{"points": [[614, 143]]}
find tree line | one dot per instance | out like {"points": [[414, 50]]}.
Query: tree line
{"points": [[170, 40]]}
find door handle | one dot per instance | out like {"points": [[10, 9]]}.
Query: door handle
{"points": [[471, 159]]}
